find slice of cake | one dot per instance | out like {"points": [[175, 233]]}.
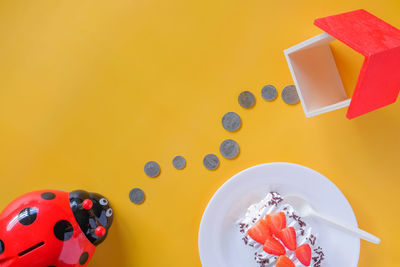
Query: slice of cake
{"points": [[278, 235]]}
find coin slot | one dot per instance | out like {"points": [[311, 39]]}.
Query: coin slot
{"points": [[26, 251]]}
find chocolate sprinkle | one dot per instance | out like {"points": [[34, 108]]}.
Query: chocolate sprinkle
{"points": [[242, 226], [312, 239], [276, 199], [298, 219], [302, 231], [319, 258], [262, 261]]}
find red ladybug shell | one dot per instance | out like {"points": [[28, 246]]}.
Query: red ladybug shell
{"points": [[39, 229]]}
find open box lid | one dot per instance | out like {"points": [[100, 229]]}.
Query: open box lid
{"points": [[378, 84]]}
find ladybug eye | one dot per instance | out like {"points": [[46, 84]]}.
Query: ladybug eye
{"points": [[103, 201], [109, 212]]}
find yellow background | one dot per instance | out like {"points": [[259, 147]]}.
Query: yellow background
{"points": [[92, 90]]}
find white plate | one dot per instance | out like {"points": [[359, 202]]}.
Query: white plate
{"points": [[220, 242]]}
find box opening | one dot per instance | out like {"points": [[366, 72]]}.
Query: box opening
{"points": [[317, 75]]}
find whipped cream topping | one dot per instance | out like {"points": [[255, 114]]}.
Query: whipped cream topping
{"points": [[274, 203]]}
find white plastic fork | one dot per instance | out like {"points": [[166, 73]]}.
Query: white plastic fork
{"points": [[304, 209]]}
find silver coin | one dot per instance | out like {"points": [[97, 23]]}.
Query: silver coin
{"points": [[136, 195], [269, 92], [289, 95], [231, 121], [179, 162], [246, 99], [152, 169], [211, 161], [229, 149]]}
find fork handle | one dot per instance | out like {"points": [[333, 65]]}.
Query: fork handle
{"points": [[357, 231]]}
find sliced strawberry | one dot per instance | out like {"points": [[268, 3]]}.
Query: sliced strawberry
{"points": [[288, 237], [274, 247], [276, 222], [303, 254], [259, 232], [284, 261]]}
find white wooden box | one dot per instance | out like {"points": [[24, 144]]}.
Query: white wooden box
{"points": [[316, 76]]}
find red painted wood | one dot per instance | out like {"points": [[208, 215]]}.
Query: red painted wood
{"points": [[378, 84], [379, 80], [362, 31]]}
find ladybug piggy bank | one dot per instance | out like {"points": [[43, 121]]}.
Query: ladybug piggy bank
{"points": [[53, 228]]}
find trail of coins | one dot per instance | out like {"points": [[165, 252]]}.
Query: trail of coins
{"points": [[229, 148]]}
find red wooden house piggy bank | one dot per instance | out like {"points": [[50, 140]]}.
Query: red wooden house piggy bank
{"points": [[317, 79]]}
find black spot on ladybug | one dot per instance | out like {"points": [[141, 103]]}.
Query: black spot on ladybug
{"points": [[83, 258], [48, 195], [27, 216], [1, 246], [63, 230]]}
